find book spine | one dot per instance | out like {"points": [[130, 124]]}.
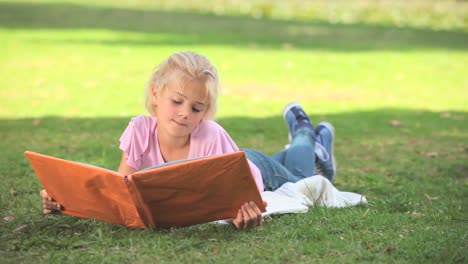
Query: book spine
{"points": [[143, 210]]}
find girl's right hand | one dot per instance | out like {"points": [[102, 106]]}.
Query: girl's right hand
{"points": [[249, 216], [48, 204]]}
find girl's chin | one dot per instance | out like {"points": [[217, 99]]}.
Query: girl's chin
{"points": [[179, 133]]}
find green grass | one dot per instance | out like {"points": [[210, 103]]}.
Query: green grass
{"points": [[73, 72]]}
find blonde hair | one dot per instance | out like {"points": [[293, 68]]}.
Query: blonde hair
{"points": [[185, 65]]}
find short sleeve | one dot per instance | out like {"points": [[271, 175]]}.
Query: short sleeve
{"points": [[135, 140], [222, 143]]}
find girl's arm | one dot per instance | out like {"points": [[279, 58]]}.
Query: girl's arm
{"points": [[124, 168]]}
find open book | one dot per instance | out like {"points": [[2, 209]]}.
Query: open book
{"points": [[171, 195]]}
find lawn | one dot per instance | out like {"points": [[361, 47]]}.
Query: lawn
{"points": [[391, 77]]}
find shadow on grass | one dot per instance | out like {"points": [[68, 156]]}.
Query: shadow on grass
{"points": [[401, 169], [387, 137], [185, 28]]}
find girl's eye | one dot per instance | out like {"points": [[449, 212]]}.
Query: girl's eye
{"points": [[195, 110], [176, 102]]}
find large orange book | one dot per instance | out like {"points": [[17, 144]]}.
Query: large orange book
{"points": [[176, 194]]}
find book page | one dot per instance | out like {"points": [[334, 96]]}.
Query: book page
{"points": [[281, 204]]}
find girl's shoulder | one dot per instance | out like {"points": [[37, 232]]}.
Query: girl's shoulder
{"points": [[210, 138], [141, 127], [136, 141], [143, 120], [209, 127]]}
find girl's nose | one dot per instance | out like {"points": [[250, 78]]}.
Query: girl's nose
{"points": [[184, 112]]}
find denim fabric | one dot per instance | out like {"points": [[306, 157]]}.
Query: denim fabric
{"points": [[289, 165]]}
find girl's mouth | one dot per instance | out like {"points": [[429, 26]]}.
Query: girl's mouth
{"points": [[180, 124]]}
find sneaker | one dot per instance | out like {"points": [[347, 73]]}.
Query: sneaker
{"points": [[296, 118], [325, 160]]}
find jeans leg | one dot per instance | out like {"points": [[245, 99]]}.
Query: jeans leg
{"points": [[299, 158], [290, 165], [274, 174], [279, 157]]}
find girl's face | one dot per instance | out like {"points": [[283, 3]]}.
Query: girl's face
{"points": [[179, 111]]}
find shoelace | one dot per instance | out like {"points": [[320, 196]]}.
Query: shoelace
{"points": [[300, 115]]}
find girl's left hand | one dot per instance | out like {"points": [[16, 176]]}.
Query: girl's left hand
{"points": [[248, 216]]}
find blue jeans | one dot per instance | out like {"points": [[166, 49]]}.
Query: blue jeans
{"points": [[289, 165]]}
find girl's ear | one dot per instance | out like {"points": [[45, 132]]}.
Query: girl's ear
{"points": [[154, 94]]}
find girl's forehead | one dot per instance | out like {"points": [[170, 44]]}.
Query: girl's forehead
{"points": [[193, 89]]}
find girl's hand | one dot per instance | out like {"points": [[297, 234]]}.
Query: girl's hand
{"points": [[48, 204], [248, 216]]}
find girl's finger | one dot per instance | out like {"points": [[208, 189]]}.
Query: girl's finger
{"points": [[43, 194], [46, 211], [250, 216], [257, 212], [238, 220], [51, 205], [244, 219]]}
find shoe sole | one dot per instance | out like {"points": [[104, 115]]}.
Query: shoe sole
{"points": [[332, 129]]}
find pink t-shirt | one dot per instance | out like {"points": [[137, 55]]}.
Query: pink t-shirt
{"points": [[139, 142]]}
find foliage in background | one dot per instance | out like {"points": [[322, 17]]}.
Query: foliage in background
{"points": [[432, 14]]}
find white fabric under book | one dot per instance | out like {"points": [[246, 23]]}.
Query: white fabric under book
{"points": [[319, 191], [299, 196]]}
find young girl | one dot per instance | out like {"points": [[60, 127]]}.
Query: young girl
{"points": [[181, 97]]}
